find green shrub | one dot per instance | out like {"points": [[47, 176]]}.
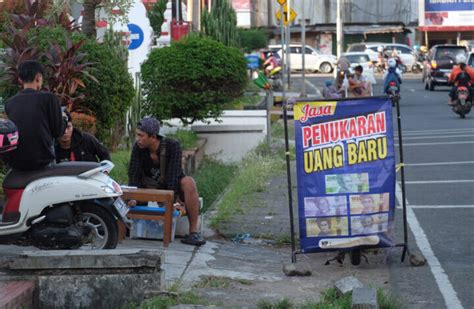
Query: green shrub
{"points": [[221, 23], [108, 99], [212, 178], [121, 160], [253, 39], [188, 139], [192, 79]]}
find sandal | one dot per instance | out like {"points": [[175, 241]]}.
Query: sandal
{"points": [[194, 239]]}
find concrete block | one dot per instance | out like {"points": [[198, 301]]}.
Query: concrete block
{"points": [[347, 284], [96, 291], [364, 298], [81, 259]]}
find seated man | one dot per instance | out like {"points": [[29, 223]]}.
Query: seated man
{"points": [[155, 163], [75, 145], [357, 84]]}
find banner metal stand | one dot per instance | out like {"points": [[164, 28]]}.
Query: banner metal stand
{"points": [[295, 252]]}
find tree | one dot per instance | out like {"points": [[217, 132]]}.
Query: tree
{"points": [[88, 18], [157, 16], [221, 23], [192, 79]]}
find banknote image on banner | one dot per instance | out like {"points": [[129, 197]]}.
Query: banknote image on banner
{"points": [[345, 162]]}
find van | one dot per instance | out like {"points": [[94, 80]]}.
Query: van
{"points": [[314, 60]]}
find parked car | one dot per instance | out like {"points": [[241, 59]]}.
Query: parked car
{"points": [[314, 60], [362, 59], [439, 64], [406, 54], [470, 60]]}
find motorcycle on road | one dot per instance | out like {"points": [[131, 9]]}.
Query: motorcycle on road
{"points": [[463, 103]]}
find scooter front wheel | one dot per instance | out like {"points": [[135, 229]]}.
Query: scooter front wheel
{"points": [[104, 230]]}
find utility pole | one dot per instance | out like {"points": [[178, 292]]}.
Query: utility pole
{"points": [[339, 30], [288, 42], [303, 39]]}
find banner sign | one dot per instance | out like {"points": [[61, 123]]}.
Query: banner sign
{"points": [[448, 13], [345, 161]]}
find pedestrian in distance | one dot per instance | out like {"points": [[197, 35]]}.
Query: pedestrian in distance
{"points": [[76, 145], [155, 163]]}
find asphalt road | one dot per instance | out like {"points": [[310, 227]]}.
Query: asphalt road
{"points": [[439, 157]]}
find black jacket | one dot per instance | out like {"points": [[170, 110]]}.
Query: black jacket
{"points": [[85, 148], [38, 117]]}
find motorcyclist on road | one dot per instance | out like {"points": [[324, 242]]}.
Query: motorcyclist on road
{"points": [[461, 75], [393, 74], [381, 57]]}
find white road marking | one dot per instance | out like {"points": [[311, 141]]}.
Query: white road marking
{"points": [[442, 280], [307, 82], [440, 163], [435, 137], [435, 144], [437, 206], [437, 130], [424, 182]]}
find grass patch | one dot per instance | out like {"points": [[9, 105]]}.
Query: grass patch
{"points": [[251, 177], [278, 129], [219, 282], [243, 101], [330, 300], [282, 304], [164, 302], [121, 159], [187, 138], [212, 178]]}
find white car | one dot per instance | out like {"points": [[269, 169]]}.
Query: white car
{"points": [[314, 60], [406, 54], [362, 59]]}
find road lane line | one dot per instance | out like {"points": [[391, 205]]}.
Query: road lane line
{"points": [[437, 136], [442, 280], [307, 82], [424, 182], [438, 206], [437, 144], [437, 130], [440, 163]]}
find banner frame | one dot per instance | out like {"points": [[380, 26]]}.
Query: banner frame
{"points": [[396, 103]]}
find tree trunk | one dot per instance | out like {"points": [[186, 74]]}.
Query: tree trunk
{"points": [[88, 19]]}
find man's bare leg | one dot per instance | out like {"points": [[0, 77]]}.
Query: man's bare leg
{"points": [[191, 202]]}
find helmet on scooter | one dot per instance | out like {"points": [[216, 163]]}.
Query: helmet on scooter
{"points": [[8, 135], [392, 63], [380, 48], [460, 58], [424, 49]]}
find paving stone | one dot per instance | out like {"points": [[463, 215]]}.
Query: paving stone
{"points": [[364, 298], [347, 284]]}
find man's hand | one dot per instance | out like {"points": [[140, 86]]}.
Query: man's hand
{"points": [[132, 203]]}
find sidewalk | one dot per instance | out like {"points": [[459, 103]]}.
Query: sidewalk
{"points": [[254, 266]]}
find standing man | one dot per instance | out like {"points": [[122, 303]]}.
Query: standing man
{"points": [[38, 117], [75, 145], [155, 163]]}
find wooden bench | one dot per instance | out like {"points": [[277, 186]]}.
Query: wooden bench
{"points": [[161, 196]]}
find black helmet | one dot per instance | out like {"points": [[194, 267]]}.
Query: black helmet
{"points": [[8, 135]]}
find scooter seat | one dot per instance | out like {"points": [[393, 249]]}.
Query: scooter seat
{"points": [[20, 179]]}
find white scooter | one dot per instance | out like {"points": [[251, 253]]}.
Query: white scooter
{"points": [[66, 206]]}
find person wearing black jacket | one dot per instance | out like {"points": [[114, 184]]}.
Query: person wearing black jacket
{"points": [[75, 145], [38, 117]]}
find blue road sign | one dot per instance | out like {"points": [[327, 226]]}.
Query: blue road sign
{"points": [[136, 36]]}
